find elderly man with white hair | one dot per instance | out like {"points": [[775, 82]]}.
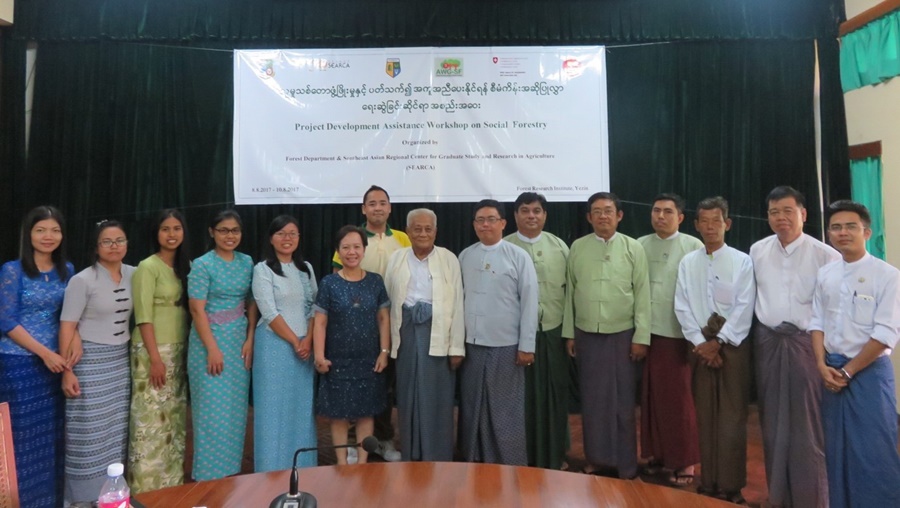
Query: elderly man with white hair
{"points": [[427, 338]]}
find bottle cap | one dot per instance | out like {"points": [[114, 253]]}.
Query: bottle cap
{"points": [[115, 469]]}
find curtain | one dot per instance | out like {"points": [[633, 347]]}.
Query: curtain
{"points": [[120, 130], [325, 23], [871, 54], [133, 105], [866, 187]]}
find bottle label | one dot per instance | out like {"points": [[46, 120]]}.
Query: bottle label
{"points": [[120, 503]]}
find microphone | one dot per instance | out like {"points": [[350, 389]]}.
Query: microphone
{"points": [[296, 499]]}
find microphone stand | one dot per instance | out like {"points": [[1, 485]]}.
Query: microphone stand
{"points": [[296, 499]]}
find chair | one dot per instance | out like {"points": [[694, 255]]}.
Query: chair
{"points": [[9, 486]]}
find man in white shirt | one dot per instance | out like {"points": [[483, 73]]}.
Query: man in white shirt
{"points": [[785, 265], [855, 323], [427, 338], [718, 279]]}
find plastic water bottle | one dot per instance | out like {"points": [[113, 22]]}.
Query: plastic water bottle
{"points": [[115, 492]]}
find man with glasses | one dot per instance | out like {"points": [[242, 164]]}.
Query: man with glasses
{"points": [[785, 265], [714, 296], [501, 310], [855, 323], [547, 383], [607, 321]]}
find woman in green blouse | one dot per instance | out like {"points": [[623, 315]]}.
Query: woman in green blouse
{"points": [[159, 380]]}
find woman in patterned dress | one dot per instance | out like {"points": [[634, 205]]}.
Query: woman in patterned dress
{"points": [[31, 296], [158, 346], [220, 349], [284, 287], [95, 319], [352, 340]]}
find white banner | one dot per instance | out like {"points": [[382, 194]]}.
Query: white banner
{"points": [[428, 124]]}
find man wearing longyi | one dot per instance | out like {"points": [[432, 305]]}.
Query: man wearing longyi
{"points": [[607, 322], [501, 310], [714, 304], [855, 323]]}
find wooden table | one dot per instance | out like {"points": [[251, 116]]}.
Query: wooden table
{"points": [[426, 484]]}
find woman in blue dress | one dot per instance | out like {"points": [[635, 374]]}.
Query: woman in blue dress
{"points": [[220, 350], [351, 339], [284, 287], [31, 296]]}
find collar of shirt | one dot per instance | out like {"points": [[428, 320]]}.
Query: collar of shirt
{"points": [[672, 237], [530, 240], [387, 230], [490, 247], [791, 247], [718, 252], [415, 259], [858, 263], [613, 237]]}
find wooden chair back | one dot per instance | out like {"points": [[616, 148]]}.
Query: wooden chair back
{"points": [[9, 485]]}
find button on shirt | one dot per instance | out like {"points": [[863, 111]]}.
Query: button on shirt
{"points": [[786, 278], [721, 282], [420, 285], [855, 302]]}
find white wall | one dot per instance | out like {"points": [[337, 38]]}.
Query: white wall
{"points": [[873, 114], [6, 12]]}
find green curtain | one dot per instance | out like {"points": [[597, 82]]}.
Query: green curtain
{"points": [[871, 54], [865, 175]]}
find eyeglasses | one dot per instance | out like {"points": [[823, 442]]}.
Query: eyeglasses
{"points": [[851, 227], [106, 242], [282, 234], [487, 220], [227, 231]]}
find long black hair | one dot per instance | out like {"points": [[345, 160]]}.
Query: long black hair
{"points": [[26, 249], [268, 251], [182, 262]]}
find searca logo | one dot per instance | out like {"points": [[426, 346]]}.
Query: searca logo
{"points": [[267, 69], [324, 64], [448, 67]]}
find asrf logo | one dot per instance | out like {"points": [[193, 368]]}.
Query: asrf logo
{"points": [[448, 67], [392, 67], [267, 69]]}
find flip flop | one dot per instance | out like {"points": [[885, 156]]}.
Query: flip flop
{"points": [[681, 479]]}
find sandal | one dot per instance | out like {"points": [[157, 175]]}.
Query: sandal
{"points": [[680, 479]]}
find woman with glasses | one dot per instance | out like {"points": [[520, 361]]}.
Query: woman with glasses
{"points": [[31, 295], [158, 347], [220, 349], [284, 287], [95, 320]]}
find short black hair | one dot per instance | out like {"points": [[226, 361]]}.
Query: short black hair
{"points": [[846, 205], [526, 198], [99, 228], [603, 195], [675, 198], [714, 203], [786, 191], [373, 189], [489, 203], [223, 215], [349, 229]]}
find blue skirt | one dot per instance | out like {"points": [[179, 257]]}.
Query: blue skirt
{"points": [[860, 424], [37, 409]]}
